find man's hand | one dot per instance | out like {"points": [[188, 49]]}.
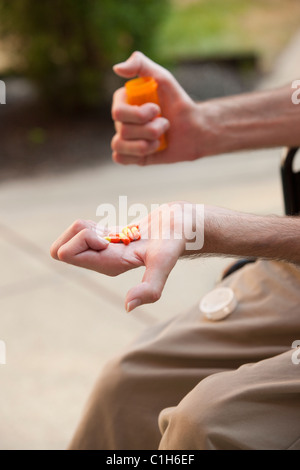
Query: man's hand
{"points": [[138, 128], [165, 234], [194, 130], [159, 248]]}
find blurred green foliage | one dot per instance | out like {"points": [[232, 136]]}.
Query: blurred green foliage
{"points": [[216, 28], [67, 46]]}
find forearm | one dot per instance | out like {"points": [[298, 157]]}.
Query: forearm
{"points": [[238, 234], [249, 121]]}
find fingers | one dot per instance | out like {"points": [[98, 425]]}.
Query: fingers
{"points": [[86, 239], [71, 231], [139, 64], [151, 159], [157, 271], [142, 123], [121, 111], [138, 128], [87, 249], [150, 131], [76, 227], [139, 148], [138, 140]]}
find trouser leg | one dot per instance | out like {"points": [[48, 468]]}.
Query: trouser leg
{"points": [[170, 359], [255, 407]]}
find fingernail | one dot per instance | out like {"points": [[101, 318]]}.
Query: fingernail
{"points": [[166, 125], [100, 235], [103, 240], [120, 64], [133, 304], [155, 110]]}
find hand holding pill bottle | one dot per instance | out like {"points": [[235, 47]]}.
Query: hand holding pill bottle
{"points": [[144, 90]]}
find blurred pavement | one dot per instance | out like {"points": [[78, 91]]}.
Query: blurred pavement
{"points": [[61, 324]]}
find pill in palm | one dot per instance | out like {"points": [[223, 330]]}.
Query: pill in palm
{"points": [[128, 234]]}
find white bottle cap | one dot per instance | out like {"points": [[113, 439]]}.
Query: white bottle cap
{"points": [[218, 303]]}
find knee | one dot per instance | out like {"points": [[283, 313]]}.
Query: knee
{"points": [[199, 422], [184, 428]]}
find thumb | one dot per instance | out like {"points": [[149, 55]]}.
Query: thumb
{"points": [[152, 285], [139, 64]]}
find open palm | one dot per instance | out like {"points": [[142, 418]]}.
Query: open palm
{"points": [[158, 250]]}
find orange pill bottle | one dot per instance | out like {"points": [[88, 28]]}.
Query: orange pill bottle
{"points": [[144, 90]]}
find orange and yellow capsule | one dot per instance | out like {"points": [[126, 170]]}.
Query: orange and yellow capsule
{"points": [[126, 240], [136, 233], [113, 238], [128, 234]]}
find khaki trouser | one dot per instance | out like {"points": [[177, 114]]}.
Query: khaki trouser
{"points": [[194, 384]]}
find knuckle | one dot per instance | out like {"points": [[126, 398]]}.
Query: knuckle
{"points": [[116, 114], [124, 132], [142, 115], [114, 142], [168, 77], [117, 143], [53, 251], [142, 148], [113, 274], [138, 54], [155, 295], [117, 125], [78, 225], [154, 133], [84, 232], [63, 254]]}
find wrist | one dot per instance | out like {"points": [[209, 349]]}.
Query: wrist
{"points": [[210, 137], [247, 121], [192, 228], [210, 226]]}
